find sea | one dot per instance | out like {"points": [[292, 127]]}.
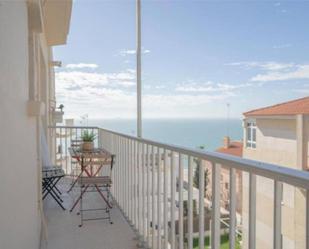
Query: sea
{"points": [[191, 133]]}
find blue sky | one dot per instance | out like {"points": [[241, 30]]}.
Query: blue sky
{"points": [[197, 57]]}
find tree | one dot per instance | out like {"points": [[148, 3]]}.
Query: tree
{"points": [[196, 178]]}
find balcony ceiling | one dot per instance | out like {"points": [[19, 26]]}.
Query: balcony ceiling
{"points": [[57, 15]]}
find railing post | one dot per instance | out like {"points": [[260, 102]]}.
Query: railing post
{"points": [[190, 203], [143, 193], [180, 224], [126, 177], [201, 203], [173, 193], [121, 169], [129, 178], [232, 232], [153, 196], [140, 197], [60, 149], [115, 183], [148, 195], [307, 219], [114, 168], [135, 189], [277, 214], [252, 211], [66, 150], [131, 182], [118, 173], [139, 185], [165, 210], [215, 216], [159, 199]]}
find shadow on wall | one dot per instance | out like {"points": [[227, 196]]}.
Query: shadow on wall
{"points": [[283, 129]]}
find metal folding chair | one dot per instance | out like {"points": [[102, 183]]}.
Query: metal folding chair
{"points": [[50, 177], [101, 182], [75, 170]]}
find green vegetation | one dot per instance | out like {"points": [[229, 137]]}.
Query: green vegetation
{"points": [[196, 178], [88, 136], [224, 242]]}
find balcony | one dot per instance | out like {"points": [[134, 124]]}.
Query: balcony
{"points": [[158, 204]]}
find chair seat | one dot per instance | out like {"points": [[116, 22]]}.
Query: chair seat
{"points": [[52, 172], [95, 180]]}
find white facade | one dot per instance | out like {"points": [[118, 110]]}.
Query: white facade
{"points": [[27, 99], [281, 140]]}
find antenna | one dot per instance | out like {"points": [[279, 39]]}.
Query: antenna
{"points": [[84, 120], [228, 119]]}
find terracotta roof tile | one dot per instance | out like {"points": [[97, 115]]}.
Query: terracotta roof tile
{"points": [[234, 149], [297, 106]]}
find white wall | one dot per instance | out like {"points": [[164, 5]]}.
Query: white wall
{"points": [[19, 215], [276, 142]]}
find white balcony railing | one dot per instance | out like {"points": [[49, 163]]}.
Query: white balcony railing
{"points": [[148, 182], [62, 137]]}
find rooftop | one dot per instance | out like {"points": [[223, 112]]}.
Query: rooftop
{"points": [[234, 149], [293, 107]]}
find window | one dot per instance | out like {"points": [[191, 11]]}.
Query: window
{"points": [[251, 135]]}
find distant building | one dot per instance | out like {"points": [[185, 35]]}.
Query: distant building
{"points": [[233, 148], [277, 134]]}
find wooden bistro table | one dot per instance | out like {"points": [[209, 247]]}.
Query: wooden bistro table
{"points": [[91, 163]]}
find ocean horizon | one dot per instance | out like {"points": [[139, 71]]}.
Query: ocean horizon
{"points": [[186, 132]]}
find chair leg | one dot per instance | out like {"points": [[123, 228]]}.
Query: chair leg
{"points": [[103, 197], [79, 198], [56, 199], [109, 213], [48, 188], [59, 192]]}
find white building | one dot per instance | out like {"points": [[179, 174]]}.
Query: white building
{"points": [[278, 134]]}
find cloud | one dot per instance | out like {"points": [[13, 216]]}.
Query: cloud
{"points": [[278, 6], [125, 52], [268, 65], [110, 95], [275, 71], [74, 79], [160, 87], [209, 87], [302, 90], [82, 65], [281, 46], [298, 72]]}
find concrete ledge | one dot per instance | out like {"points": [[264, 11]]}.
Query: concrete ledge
{"points": [[35, 108]]}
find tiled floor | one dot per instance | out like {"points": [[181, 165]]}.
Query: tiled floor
{"points": [[63, 231]]}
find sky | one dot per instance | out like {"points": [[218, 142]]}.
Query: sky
{"points": [[198, 58]]}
